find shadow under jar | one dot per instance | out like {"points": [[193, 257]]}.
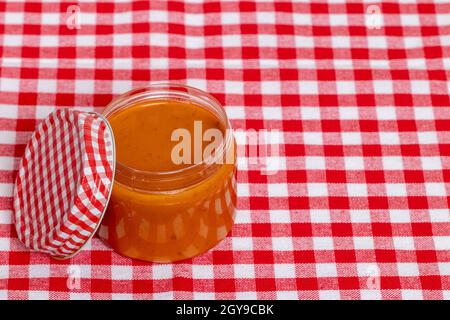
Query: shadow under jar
{"points": [[162, 210]]}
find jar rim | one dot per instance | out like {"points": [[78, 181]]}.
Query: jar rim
{"points": [[169, 90]]}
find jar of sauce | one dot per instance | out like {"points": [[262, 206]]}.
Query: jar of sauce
{"points": [[169, 203]]}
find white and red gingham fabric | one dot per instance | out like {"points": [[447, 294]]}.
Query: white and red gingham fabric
{"points": [[64, 182], [360, 206]]}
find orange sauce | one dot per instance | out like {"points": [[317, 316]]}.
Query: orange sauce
{"points": [[153, 221]]}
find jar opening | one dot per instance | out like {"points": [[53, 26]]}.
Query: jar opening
{"points": [[162, 180]]}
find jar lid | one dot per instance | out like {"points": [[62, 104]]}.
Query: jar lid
{"points": [[64, 182]]}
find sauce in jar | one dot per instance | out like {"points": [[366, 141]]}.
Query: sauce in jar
{"points": [[143, 132], [160, 209]]}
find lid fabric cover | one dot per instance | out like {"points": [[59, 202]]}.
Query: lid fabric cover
{"points": [[64, 182]]}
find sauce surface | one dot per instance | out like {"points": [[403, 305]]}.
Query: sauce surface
{"points": [[142, 132]]}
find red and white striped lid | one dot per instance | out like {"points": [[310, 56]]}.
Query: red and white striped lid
{"points": [[64, 182]]}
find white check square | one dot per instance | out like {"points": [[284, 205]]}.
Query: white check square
{"points": [[39, 271], [158, 16], [383, 87], [159, 39], [244, 271], [312, 138], [303, 19], [420, 87], [357, 189], [15, 40], [263, 17], [351, 138], [280, 216], [403, 243], [315, 163], [320, 216], [230, 18], [409, 19], [427, 137], [48, 85], [376, 42], [389, 138], [277, 189], [354, 163], [345, 87], [125, 17], [310, 113], [242, 243], [162, 271], [122, 39], [194, 19], [121, 272], [233, 40], [308, 87], [282, 244], [392, 163], [360, 216], [400, 215], [340, 42], [326, 270], [86, 86], [10, 85], [396, 190], [267, 40], [286, 271], [13, 18], [323, 243], [272, 113], [363, 243], [234, 87], [409, 294], [424, 113], [243, 189], [329, 295], [435, 189], [202, 271], [338, 19], [317, 189], [407, 269], [386, 113], [431, 163]]}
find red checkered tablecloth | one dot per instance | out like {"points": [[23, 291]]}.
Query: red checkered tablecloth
{"points": [[359, 94]]}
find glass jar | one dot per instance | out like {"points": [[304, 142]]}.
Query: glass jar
{"points": [[170, 214]]}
